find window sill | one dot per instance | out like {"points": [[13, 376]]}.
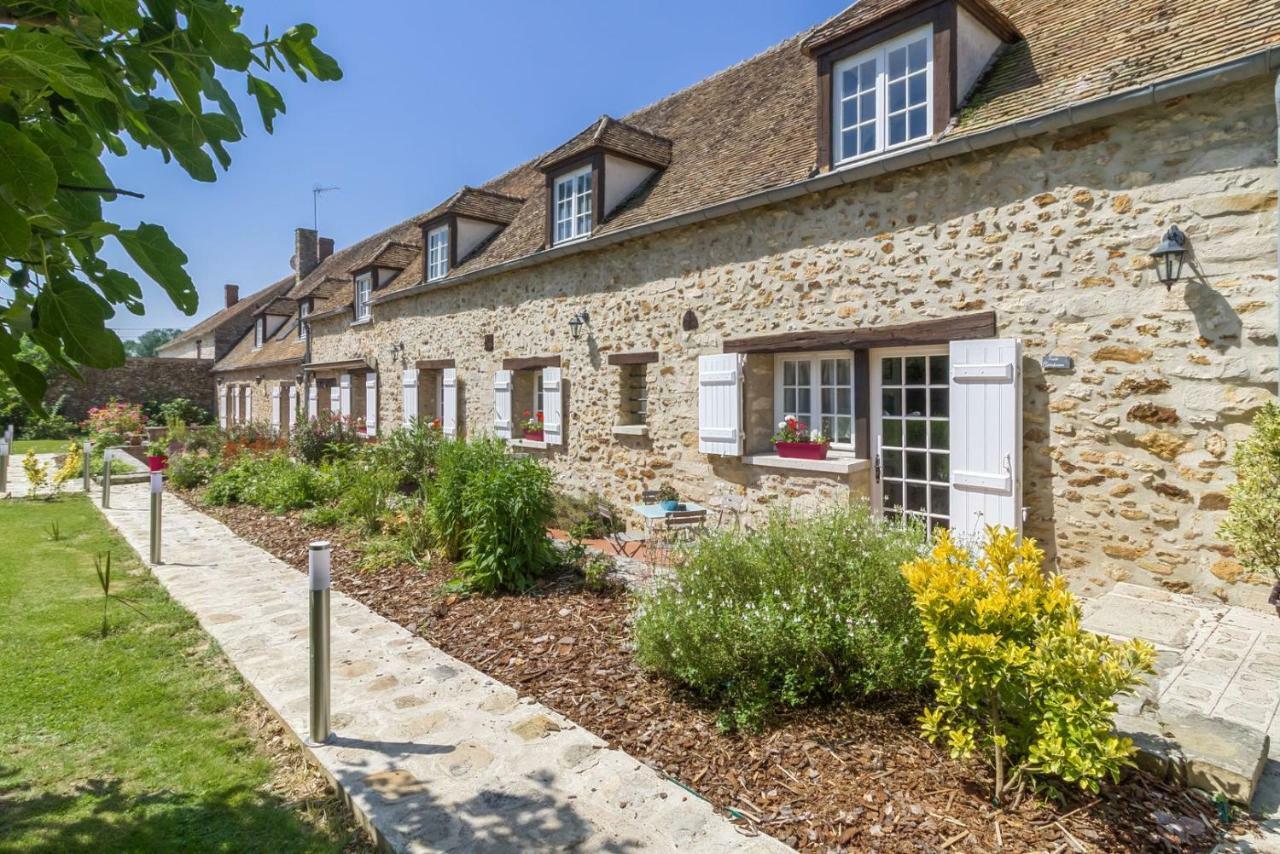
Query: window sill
{"points": [[631, 430], [364, 321], [831, 465], [527, 443]]}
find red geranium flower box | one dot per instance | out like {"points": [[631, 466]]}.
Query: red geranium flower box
{"points": [[533, 435], [802, 450]]}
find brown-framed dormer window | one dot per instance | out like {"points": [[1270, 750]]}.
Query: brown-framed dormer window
{"points": [[363, 295], [573, 207], [259, 332], [437, 253], [304, 309]]}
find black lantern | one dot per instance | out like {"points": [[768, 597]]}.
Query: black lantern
{"points": [[1170, 256], [576, 322]]}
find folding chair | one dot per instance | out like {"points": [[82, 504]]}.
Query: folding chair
{"points": [[681, 526], [617, 536], [734, 504]]}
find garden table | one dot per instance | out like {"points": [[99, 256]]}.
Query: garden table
{"points": [[654, 513]]}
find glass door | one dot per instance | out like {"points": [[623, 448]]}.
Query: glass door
{"points": [[911, 434]]}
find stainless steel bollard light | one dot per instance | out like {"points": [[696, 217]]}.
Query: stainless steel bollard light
{"points": [[157, 494], [88, 466], [4, 465], [318, 566], [106, 478]]}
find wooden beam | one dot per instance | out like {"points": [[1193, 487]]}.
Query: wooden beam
{"points": [[434, 364], [525, 363], [940, 331], [647, 358]]}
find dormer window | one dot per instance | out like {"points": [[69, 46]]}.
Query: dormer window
{"points": [[573, 205], [882, 97], [364, 292], [437, 253], [304, 309], [259, 332]]}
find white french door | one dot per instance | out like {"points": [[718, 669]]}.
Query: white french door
{"points": [[911, 434]]}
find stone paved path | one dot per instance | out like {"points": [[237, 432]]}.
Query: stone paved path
{"points": [[19, 486], [438, 756]]}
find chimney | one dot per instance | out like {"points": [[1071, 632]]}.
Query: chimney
{"points": [[233, 294], [326, 247], [306, 252]]}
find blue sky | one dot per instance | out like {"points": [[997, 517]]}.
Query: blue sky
{"points": [[435, 95]]}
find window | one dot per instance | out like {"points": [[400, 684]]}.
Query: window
{"points": [[817, 388], [881, 97], [258, 331], [364, 289], [914, 429], [635, 394], [437, 253], [573, 205], [304, 308], [537, 393]]}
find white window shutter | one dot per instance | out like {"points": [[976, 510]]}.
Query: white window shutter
{"points": [[344, 395], [222, 407], [234, 393], [502, 424], [248, 404], [371, 403], [552, 407], [292, 411], [449, 402], [409, 396], [275, 408], [335, 401], [986, 436], [720, 404], [313, 400]]}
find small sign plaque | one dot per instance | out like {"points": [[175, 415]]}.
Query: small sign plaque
{"points": [[1057, 363]]}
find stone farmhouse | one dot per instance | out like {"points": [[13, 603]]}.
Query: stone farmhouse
{"points": [[924, 226]]}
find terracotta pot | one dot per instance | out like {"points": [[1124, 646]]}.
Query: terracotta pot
{"points": [[802, 450], [534, 435], [159, 463]]}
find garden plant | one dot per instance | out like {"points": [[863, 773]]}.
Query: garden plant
{"points": [[1253, 520]]}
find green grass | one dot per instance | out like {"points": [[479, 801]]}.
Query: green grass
{"points": [[135, 741], [42, 446]]}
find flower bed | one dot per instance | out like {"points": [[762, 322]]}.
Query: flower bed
{"points": [[839, 777]]}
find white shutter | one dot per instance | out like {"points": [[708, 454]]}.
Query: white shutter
{"points": [[234, 391], [502, 404], [292, 412], [409, 396], [222, 407], [720, 404], [344, 395], [986, 435], [275, 408], [313, 400], [371, 403], [335, 402], [552, 407], [248, 404], [449, 402]]}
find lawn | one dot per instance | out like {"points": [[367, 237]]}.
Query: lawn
{"points": [[41, 446], [142, 740]]}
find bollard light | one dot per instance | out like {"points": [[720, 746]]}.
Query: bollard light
{"points": [[86, 450], [319, 556], [4, 465], [157, 494], [106, 479]]}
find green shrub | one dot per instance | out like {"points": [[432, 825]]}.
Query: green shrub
{"points": [[273, 482], [189, 470], [323, 516], [409, 453], [364, 489], [326, 438], [581, 513], [1017, 678], [456, 464], [802, 610], [506, 510], [209, 439], [1253, 520], [52, 425], [177, 409]]}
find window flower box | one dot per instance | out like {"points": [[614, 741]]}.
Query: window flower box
{"points": [[802, 450], [796, 441], [533, 427]]}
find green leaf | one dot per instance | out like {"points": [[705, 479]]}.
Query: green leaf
{"points": [[26, 378], [15, 231], [31, 59], [300, 52], [213, 27], [214, 91], [180, 133], [270, 101], [26, 174], [70, 310], [152, 250], [116, 14]]}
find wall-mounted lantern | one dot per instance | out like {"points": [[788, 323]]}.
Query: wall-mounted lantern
{"points": [[576, 322], [1170, 255]]}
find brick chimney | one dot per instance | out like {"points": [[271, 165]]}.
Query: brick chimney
{"points": [[306, 252], [232, 293], [326, 247]]}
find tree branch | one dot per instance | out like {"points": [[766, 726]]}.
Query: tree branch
{"points": [[75, 188], [13, 18]]}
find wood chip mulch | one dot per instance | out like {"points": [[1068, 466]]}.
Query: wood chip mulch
{"points": [[842, 778]]}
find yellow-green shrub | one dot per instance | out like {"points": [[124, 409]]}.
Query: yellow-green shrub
{"points": [[1253, 523], [1017, 679]]}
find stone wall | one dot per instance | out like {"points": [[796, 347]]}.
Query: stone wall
{"points": [[140, 380], [260, 381], [1125, 455]]}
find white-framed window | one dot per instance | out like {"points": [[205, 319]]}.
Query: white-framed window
{"points": [[258, 331], [364, 290], [538, 400], [304, 308], [437, 253], [882, 97], [817, 388], [573, 205]]}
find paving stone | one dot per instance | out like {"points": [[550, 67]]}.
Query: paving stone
{"points": [[1222, 756], [536, 727], [1158, 622]]}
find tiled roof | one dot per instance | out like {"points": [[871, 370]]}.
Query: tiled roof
{"points": [[247, 305], [279, 306], [867, 13], [753, 127], [477, 204], [283, 347], [612, 135], [392, 254]]}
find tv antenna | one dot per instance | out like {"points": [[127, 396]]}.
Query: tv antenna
{"points": [[316, 191]]}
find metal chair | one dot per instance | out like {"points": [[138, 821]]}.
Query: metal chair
{"points": [[727, 503], [680, 526], [617, 536], [649, 496]]}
